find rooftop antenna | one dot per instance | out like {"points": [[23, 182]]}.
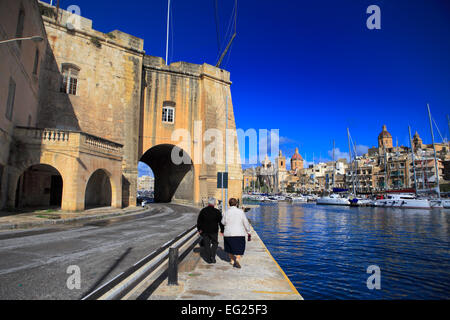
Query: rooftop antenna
{"points": [[167, 38]]}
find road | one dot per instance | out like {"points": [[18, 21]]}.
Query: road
{"points": [[34, 263]]}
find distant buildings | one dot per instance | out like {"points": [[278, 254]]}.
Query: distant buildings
{"points": [[146, 183], [385, 167]]}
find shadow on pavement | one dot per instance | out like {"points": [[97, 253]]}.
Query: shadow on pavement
{"points": [[103, 277]]}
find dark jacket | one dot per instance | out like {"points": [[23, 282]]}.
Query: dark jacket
{"points": [[209, 220]]}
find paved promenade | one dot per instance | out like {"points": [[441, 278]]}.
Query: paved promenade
{"points": [[34, 262], [260, 278], [43, 218]]}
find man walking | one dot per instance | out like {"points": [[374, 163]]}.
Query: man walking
{"points": [[208, 223]]}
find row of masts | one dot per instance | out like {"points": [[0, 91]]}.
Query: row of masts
{"points": [[436, 164]]}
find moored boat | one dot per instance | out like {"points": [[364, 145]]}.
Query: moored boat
{"points": [[405, 201], [298, 199], [333, 199]]}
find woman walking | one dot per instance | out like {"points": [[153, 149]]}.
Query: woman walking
{"points": [[236, 228]]}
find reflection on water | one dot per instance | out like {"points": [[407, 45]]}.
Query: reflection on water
{"points": [[325, 250]]}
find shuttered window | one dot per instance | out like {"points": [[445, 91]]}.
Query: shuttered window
{"points": [[11, 97]]}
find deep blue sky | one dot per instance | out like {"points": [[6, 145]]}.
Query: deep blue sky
{"points": [[310, 68]]}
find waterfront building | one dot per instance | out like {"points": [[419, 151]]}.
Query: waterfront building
{"points": [[250, 180], [21, 64], [385, 167], [91, 106], [281, 173], [146, 183], [392, 167], [296, 161]]}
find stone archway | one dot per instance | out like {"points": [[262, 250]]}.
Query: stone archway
{"points": [[39, 186], [98, 191], [172, 181]]}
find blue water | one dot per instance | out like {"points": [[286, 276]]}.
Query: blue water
{"points": [[326, 250]]}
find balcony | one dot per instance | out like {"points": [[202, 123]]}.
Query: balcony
{"points": [[69, 140]]}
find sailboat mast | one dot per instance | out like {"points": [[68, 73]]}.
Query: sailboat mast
{"points": [[334, 163], [167, 38], [413, 159], [436, 165], [385, 168], [351, 162], [448, 123]]}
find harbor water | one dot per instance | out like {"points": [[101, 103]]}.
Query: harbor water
{"points": [[326, 250]]}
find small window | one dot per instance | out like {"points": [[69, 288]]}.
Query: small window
{"points": [[20, 23], [1, 178], [11, 97], [70, 79], [36, 62], [168, 114]]}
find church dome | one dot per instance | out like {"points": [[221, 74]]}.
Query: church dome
{"points": [[296, 155], [384, 134]]}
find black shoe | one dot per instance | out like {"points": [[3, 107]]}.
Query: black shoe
{"points": [[213, 260], [237, 265]]}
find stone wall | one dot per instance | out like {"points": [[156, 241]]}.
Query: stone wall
{"points": [[198, 93], [109, 88], [17, 62]]}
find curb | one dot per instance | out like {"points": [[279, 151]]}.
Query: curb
{"points": [[27, 225]]}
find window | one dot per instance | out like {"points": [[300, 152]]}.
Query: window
{"points": [[1, 178], [70, 79], [36, 62], [20, 23], [168, 114], [11, 97]]}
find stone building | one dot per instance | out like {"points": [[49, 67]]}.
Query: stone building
{"points": [[191, 98], [384, 140], [20, 73], [95, 107], [146, 183], [249, 182], [281, 173], [296, 161]]}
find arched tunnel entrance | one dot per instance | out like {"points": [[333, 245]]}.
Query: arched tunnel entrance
{"points": [[172, 181], [40, 186], [98, 190]]}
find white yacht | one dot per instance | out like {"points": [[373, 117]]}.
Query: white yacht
{"points": [[440, 203], [360, 202], [311, 198], [446, 203], [407, 201], [333, 199], [300, 199]]}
